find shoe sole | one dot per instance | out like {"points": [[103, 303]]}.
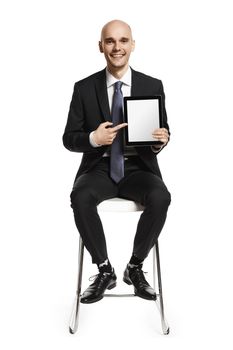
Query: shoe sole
{"points": [[128, 281], [112, 286], [145, 298]]}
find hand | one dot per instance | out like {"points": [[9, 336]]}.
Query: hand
{"points": [[161, 135], [105, 134]]}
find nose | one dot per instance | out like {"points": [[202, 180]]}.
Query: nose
{"points": [[117, 46]]}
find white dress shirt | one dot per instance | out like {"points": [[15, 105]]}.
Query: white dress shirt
{"points": [[126, 86]]}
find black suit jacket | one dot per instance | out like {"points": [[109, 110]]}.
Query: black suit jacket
{"points": [[89, 107]]}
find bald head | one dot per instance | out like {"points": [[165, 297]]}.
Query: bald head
{"points": [[114, 25], [116, 44]]}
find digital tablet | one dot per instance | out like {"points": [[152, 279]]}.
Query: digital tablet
{"points": [[143, 115]]}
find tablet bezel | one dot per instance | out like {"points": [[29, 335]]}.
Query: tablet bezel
{"points": [[126, 133]]}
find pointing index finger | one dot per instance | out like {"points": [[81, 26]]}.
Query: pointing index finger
{"points": [[119, 126]]}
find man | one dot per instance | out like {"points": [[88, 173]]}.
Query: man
{"points": [[108, 169]]}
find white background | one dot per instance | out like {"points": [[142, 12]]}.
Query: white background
{"points": [[45, 47]]}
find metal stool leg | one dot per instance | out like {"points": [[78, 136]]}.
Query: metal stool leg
{"points": [[75, 312], [156, 260]]}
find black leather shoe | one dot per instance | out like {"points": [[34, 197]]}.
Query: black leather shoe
{"points": [[142, 288], [95, 291]]}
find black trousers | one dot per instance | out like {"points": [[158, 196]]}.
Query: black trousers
{"points": [[138, 184]]}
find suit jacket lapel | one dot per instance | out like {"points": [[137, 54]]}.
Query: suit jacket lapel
{"points": [[137, 87], [102, 95]]}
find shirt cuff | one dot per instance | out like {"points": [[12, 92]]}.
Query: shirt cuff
{"points": [[156, 150], [92, 142]]}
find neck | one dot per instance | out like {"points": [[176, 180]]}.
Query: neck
{"points": [[118, 72]]}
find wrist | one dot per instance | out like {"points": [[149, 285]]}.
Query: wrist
{"points": [[92, 140], [95, 139]]}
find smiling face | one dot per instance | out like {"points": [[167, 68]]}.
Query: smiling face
{"points": [[116, 44]]}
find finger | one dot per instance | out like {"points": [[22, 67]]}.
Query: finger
{"points": [[111, 133], [156, 132], [119, 126], [160, 134], [163, 139], [107, 124], [157, 135], [110, 140], [161, 130]]}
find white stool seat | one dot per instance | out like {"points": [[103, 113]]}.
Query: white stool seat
{"points": [[119, 205]]}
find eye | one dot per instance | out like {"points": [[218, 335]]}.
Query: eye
{"points": [[108, 41]]}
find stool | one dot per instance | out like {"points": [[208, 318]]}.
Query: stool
{"points": [[119, 205]]}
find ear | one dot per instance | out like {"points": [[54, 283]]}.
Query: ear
{"points": [[133, 45], [100, 47]]}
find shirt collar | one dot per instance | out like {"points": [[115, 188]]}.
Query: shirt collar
{"points": [[126, 79]]}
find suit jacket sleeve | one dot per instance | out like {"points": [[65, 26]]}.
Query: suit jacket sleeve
{"points": [[165, 123], [164, 114], [75, 138]]}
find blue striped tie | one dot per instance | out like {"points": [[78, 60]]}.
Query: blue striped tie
{"points": [[117, 158]]}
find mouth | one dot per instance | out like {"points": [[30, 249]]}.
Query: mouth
{"points": [[117, 55]]}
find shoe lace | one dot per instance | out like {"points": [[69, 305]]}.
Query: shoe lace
{"points": [[139, 275], [99, 276], [93, 277]]}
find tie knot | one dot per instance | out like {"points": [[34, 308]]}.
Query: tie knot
{"points": [[118, 85]]}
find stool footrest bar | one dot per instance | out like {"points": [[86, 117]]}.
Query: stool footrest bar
{"points": [[119, 295]]}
